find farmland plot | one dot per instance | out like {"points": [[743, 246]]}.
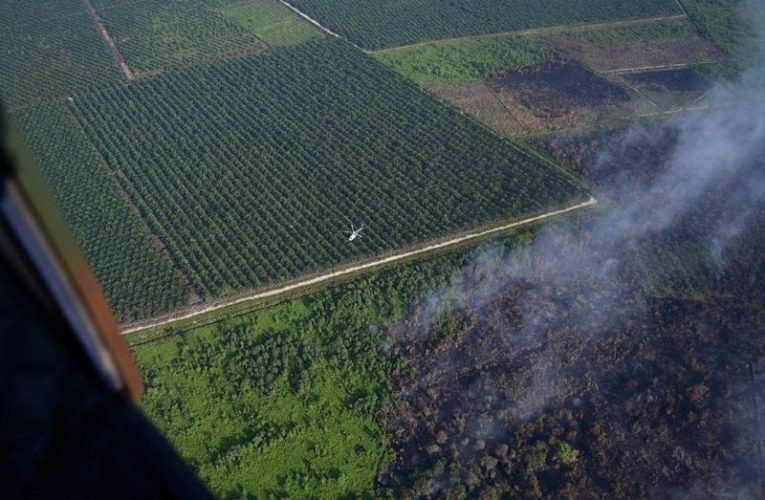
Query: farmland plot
{"points": [[466, 60], [389, 23], [50, 49], [165, 34], [250, 169], [272, 21], [172, 33], [137, 279], [652, 44]]}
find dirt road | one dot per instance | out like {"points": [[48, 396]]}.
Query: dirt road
{"points": [[116, 54], [309, 19], [354, 269]]}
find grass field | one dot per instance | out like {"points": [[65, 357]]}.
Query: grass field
{"points": [[272, 21], [250, 170], [50, 49], [465, 60], [285, 401], [277, 403], [726, 23], [137, 279], [389, 23]]}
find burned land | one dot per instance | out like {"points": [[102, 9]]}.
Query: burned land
{"points": [[673, 80], [589, 366], [552, 87], [553, 95]]}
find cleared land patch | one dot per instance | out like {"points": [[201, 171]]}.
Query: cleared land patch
{"points": [[250, 169], [137, 279], [550, 91], [541, 97], [389, 23], [50, 49], [271, 21], [645, 45], [468, 73]]}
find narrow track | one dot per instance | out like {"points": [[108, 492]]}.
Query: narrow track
{"points": [[316, 23], [116, 54], [350, 270]]}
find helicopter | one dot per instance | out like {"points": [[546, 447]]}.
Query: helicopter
{"points": [[355, 232]]}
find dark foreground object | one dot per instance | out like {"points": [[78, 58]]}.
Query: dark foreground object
{"points": [[64, 432]]}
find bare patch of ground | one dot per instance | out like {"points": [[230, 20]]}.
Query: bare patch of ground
{"points": [[691, 49], [551, 88], [549, 96], [673, 80], [478, 100]]}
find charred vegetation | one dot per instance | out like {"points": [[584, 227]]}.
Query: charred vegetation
{"points": [[615, 373]]}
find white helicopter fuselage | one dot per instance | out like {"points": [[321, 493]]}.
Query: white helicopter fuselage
{"points": [[355, 232]]}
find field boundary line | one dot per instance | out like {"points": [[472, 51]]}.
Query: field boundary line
{"points": [[154, 237], [355, 269], [316, 23], [544, 30], [652, 68], [115, 52]]}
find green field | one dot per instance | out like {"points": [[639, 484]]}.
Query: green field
{"points": [[285, 401], [50, 49], [165, 34], [726, 23], [272, 21], [278, 403], [389, 23], [170, 33], [251, 169], [136, 277], [465, 60]]}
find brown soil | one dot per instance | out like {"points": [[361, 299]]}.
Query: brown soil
{"points": [[480, 101]]}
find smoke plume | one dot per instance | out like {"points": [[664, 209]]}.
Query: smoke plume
{"points": [[577, 283]]}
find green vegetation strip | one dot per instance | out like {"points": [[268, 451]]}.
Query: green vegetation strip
{"points": [[279, 403], [726, 23], [466, 60]]}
